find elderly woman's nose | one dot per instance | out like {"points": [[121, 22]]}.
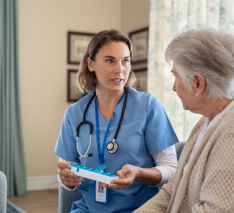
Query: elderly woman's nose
{"points": [[174, 87]]}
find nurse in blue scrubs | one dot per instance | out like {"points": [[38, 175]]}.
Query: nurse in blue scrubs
{"points": [[132, 134]]}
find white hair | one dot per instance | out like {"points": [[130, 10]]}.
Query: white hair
{"points": [[208, 52]]}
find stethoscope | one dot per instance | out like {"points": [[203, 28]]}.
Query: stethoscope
{"points": [[112, 147]]}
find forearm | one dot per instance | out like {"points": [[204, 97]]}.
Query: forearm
{"points": [[149, 176], [69, 188], [166, 163]]}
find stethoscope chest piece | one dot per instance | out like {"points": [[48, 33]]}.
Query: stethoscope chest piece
{"points": [[112, 147]]}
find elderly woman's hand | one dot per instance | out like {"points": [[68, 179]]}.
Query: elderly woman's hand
{"points": [[67, 177], [126, 177]]}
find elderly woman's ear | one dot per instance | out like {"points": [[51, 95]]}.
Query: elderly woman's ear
{"points": [[200, 83]]}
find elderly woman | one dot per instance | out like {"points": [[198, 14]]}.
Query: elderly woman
{"points": [[203, 66]]}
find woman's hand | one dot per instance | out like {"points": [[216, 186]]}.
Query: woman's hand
{"points": [[130, 173], [67, 177], [126, 177]]}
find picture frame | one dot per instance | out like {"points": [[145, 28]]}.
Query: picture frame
{"points": [[141, 79], [77, 42], [73, 93], [139, 40]]}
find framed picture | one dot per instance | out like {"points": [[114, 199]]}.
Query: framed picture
{"points": [[73, 92], [141, 80], [77, 42], [139, 40]]}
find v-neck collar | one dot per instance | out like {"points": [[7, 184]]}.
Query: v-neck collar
{"points": [[118, 110]]}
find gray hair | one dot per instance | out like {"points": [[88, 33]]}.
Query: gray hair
{"points": [[208, 52]]}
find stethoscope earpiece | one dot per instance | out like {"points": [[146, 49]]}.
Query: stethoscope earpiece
{"points": [[84, 156]]}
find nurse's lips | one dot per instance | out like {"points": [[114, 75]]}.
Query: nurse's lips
{"points": [[117, 80]]}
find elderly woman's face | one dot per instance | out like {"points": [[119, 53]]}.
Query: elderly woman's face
{"points": [[186, 95]]}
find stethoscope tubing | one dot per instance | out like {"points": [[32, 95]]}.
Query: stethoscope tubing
{"points": [[84, 121], [122, 115], [91, 127]]}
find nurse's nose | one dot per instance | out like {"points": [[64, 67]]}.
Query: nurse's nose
{"points": [[119, 68]]}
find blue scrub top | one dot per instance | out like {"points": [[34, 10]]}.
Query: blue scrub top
{"points": [[145, 130]]}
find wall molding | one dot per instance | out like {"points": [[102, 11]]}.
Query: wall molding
{"points": [[42, 182]]}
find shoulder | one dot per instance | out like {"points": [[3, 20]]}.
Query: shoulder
{"points": [[79, 106], [228, 123], [222, 143], [142, 99], [143, 104], [225, 130], [225, 127]]}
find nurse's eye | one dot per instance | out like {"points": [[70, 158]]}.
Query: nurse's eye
{"points": [[109, 61], [125, 61]]}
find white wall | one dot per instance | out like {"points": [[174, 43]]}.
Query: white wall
{"points": [[43, 26]]}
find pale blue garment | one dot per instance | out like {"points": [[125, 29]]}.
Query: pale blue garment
{"points": [[145, 130]]}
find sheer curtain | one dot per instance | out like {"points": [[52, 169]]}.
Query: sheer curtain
{"points": [[11, 143], [167, 18]]}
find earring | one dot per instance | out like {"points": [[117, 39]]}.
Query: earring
{"points": [[196, 94]]}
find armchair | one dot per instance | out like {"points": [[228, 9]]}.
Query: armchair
{"points": [[3, 192], [66, 198]]}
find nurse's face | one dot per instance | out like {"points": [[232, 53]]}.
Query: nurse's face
{"points": [[111, 66]]}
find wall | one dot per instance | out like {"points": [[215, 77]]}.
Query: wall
{"points": [[135, 15], [43, 26]]}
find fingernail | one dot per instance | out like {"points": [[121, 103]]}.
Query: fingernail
{"points": [[71, 174]]}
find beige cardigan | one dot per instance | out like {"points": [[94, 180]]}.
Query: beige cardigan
{"points": [[208, 183]]}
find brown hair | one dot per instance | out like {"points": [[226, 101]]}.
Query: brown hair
{"points": [[87, 79]]}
